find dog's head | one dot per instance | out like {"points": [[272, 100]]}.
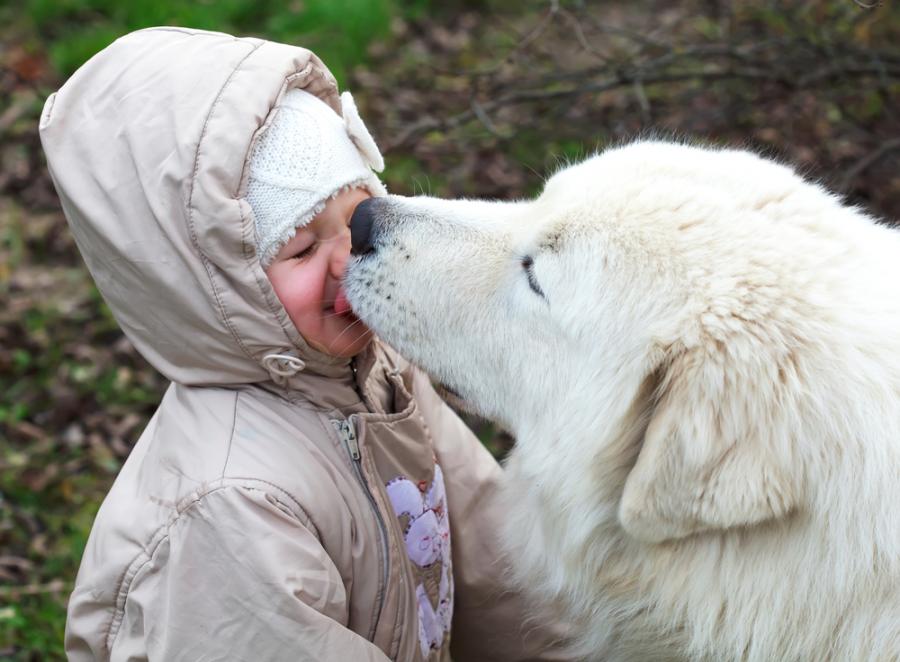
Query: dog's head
{"points": [[670, 284]]}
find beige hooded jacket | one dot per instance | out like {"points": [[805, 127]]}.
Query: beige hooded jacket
{"points": [[270, 510]]}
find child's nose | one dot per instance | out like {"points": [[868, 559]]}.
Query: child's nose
{"points": [[340, 253]]}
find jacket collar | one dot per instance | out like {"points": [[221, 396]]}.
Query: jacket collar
{"points": [[342, 385]]}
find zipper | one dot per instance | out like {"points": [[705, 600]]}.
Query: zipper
{"points": [[348, 437]]}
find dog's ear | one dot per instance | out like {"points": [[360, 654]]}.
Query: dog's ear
{"points": [[717, 449]]}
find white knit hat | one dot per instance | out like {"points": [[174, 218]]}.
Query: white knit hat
{"points": [[307, 155]]}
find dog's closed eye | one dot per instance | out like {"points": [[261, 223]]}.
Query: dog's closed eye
{"points": [[527, 265]]}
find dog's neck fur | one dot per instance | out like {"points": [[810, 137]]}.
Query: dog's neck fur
{"points": [[568, 534]]}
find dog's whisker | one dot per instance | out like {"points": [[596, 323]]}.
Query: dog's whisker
{"points": [[329, 315], [361, 335], [333, 343]]}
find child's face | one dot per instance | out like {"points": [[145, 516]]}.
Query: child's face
{"points": [[306, 275]]}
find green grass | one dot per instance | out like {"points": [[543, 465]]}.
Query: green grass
{"points": [[339, 31]]}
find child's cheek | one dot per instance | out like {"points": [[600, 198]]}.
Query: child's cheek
{"points": [[308, 284]]}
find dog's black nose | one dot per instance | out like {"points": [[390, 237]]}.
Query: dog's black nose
{"points": [[362, 239]]}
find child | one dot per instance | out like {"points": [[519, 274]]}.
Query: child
{"points": [[301, 493]]}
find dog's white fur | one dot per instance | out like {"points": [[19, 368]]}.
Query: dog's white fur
{"points": [[706, 400]]}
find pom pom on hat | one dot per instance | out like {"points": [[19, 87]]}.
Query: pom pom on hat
{"points": [[307, 155]]}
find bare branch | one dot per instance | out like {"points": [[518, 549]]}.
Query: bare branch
{"points": [[866, 162]]}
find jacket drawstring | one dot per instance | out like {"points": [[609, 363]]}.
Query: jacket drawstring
{"points": [[282, 366]]}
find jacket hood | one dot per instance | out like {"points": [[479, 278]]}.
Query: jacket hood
{"points": [[148, 145]]}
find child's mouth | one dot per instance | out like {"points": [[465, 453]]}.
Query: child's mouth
{"points": [[341, 305]]}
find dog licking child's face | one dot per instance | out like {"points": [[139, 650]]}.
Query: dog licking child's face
{"points": [[306, 275]]}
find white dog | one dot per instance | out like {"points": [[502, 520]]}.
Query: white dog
{"points": [[698, 353]]}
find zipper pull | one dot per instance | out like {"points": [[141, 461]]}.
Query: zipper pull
{"points": [[348, 436], [352, 442]]}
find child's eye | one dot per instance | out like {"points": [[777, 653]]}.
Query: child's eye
{"points": [[306, 252]]}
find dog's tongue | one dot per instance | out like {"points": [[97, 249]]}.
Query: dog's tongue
{"points": [[341, 305]]}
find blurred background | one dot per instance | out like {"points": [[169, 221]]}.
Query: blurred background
{"points": [[466, 98]]}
